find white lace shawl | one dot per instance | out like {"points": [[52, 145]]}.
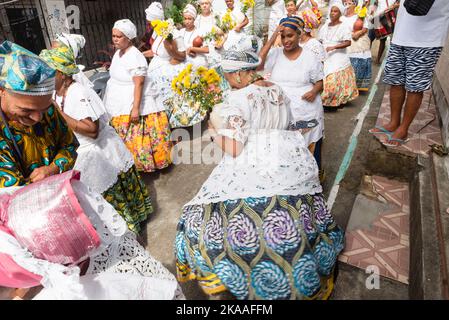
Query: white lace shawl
{"points": [[274, 161]]}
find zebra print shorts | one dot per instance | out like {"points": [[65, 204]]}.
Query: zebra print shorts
{"points": [[411, 67]]}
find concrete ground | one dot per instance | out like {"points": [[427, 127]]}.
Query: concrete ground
{"points": [[172, 188]]}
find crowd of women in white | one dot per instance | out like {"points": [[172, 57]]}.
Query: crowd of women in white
{"points": [[279, 192]]}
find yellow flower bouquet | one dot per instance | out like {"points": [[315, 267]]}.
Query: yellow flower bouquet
{"points": [[164, 28], [196, 91], [227, 23], [246, 4], [215, 36], [361, 12]]}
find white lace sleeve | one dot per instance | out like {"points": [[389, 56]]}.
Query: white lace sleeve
{"points": [[81, 103], [318, 50], [235, 123], [138, 72], [136, 63], [235, 128]]}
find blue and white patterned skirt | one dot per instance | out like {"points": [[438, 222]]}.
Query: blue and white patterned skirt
{"points": [[281, 247]]}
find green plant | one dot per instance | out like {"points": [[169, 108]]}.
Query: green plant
{"points": [[175, 10]]}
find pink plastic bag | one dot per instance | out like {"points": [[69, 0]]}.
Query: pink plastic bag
{"points": [[47, 219]]}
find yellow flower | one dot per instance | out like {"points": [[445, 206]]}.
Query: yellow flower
{"points": [[361, 11], [184, 120]]}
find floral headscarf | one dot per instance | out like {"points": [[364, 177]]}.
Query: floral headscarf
{"points": [[23, 72], [62, 59]]}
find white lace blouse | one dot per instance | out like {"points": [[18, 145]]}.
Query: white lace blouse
{"points": [[274, 161]]}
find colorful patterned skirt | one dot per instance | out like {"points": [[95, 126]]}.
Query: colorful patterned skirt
{"points": [[148, 141], [339, 88], [130, 197], [362, 69], [281, 247]]}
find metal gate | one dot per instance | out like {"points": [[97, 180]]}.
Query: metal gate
{"points": [[22, 22], [96, 20]]}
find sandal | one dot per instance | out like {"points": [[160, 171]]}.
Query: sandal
{"points": [[381, 129], [400, 142]]}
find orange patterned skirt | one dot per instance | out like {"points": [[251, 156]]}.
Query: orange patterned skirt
{"points": [[339, 88], [148, 141]]}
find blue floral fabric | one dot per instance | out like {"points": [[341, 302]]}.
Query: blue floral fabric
{"points": [[283, 247]]}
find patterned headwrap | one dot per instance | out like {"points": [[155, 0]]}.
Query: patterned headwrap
{"points": [[62, 59], [233, 61], [74, 41], [23, 72], [295, 23]]}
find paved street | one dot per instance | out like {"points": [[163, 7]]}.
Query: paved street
{"points": [[175, 186]]}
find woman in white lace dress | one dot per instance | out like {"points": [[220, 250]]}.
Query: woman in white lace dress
{"points": [[119, 268], [258, 227], [303, 86], [103, 159]]}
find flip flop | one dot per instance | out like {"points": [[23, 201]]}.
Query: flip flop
{"points": [[382, 130], [400, 141]]}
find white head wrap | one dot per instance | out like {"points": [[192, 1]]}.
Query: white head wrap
{"points": [[127, 28], [155, 11], [190, 10], [340, 7], [74, 41]]}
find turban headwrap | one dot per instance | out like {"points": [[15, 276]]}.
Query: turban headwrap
{"points": [[233, 61], [127, 28], [62, 59], [74, 41], [23, 72], [155, 12], [190, 10], [340, 7], [295, 23]]}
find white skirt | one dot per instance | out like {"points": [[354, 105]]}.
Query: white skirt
{"points": [[102, 160]]}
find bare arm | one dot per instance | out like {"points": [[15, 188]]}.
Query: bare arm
{"points": [[316, 90], [342, 45], [202, 50], [85, 127], [242, 25], [313, 3], [172, 49], [138, 91], [228, 145], [266, 48], [357, 34], [299, 4]]}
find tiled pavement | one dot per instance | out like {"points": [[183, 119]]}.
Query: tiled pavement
{"points": [[384, 243], [424, 130]]}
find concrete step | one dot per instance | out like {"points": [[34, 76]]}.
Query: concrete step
{"points": [[430, 229]]}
